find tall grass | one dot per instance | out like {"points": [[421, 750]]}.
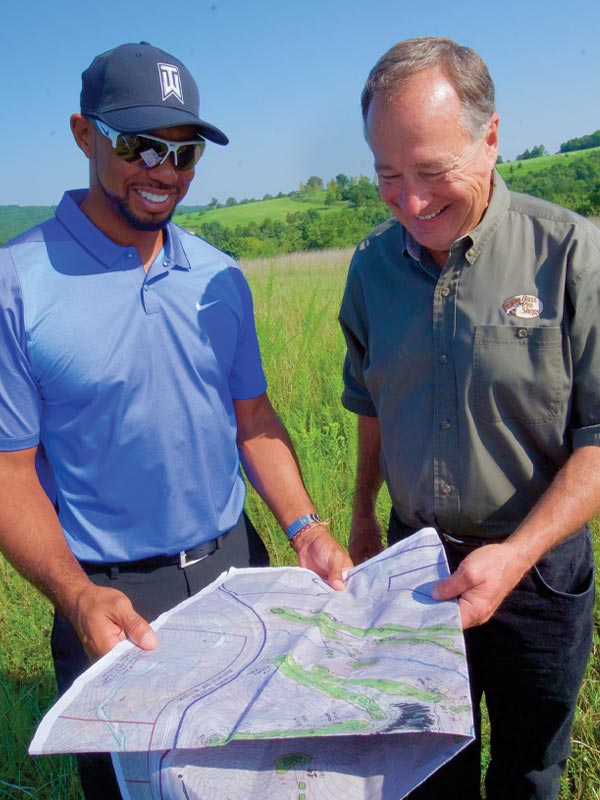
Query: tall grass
{"points": [[297, 298]]}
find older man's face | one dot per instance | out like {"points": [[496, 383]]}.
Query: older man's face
{"points": [[434, 177]]}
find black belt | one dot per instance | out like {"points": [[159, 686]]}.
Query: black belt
{"points": [[470, 542], [183, 559]]}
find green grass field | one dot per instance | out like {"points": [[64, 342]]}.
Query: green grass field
{"points": [[297, 299], [259, 210]]}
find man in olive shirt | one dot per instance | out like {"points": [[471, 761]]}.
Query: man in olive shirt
{"points": [[471, 321]]}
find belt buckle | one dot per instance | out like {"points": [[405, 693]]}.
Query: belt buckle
{"points": [[452, 539], [184, 562]]}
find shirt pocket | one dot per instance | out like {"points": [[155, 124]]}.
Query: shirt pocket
{"points": [[517, 373]]}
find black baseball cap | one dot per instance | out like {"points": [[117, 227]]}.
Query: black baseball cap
{"points": [[137, 88]]}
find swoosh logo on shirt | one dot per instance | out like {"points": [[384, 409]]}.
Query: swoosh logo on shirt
{"points": [[202, 306]]}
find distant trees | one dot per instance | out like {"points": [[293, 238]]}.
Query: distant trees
{"points": [[354, 205], [306, 229], [355, 208], [535, 152], [572, 182], [581, 143], [314, 184]]}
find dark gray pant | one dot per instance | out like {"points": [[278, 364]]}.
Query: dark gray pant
{"points": [[152, 591], [529, 661]]}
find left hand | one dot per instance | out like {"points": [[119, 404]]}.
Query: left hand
{"points": [[318, 550], [482, 581]]}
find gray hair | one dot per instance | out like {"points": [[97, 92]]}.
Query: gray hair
{"points": [[463, 67]]}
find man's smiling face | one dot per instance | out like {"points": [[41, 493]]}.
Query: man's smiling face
{"points": [[144, 198], [433, 174]]}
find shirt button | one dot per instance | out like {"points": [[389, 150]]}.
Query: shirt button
{"points": [[470, 253], [129, 255], [443, 359], [445, 291], [522, 333], [146, 287], [446, 488], [165, 263], [445, 425]]}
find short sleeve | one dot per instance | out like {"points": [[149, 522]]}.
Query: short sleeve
{"points": [[355, 396], [20, 400]]}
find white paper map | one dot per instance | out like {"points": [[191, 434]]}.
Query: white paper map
{"points": [[269, 684]]}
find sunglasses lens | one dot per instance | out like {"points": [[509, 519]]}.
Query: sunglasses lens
{"points": [[151, 152], [138, 148], [188, 155]]}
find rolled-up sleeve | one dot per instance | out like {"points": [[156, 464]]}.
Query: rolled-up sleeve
{"points": [[584, 335]]}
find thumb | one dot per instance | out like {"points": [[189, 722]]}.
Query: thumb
{"points": [[140, 632], [339, 565], [334, 577], [449, 588]]}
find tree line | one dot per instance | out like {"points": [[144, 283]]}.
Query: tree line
{"points": [[355, 206], [581, 142], [572, 182], [304, 230]]}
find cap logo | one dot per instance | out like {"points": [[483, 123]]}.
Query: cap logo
{"points": [[524, 306], [170, 82]]}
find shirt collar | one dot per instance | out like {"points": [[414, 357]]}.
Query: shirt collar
{"points": [[100, 246], [497, 208]]}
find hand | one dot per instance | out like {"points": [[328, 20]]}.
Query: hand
{"points": [[365, 538], [104, 617], [482, 581], [318, 550]]}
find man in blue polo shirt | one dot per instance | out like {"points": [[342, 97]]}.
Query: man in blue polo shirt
{"points": [[130, 373]]}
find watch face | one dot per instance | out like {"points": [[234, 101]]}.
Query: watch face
{"points": [[301, 523]]}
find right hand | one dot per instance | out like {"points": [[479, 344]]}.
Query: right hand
{"points": [[104, 617], [365, 538]]}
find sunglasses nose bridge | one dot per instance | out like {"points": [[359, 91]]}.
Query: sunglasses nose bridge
{"points": [[174, 150]]}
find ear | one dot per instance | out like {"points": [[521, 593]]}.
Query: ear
{"points": [[83, 132], [491, 139]]}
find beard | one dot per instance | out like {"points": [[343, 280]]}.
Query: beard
{"points": [[139, 224], [122, 205]]}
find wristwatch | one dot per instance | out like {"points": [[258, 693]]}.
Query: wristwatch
{"points": [[302, 522]]}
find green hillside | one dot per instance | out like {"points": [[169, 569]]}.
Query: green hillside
{"points": [[343, 213], [16, 219], [258, 210], [568, 179], [543, 162]]}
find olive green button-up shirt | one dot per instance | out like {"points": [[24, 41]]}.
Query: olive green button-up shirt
{"points": [[484, 375]]}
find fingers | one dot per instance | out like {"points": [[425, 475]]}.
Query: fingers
{"points": [[481, 582], [319, 551], [104, 617]]}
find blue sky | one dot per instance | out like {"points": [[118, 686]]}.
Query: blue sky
{"points": [[283, 80]]}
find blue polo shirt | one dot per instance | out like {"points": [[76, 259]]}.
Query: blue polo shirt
{"points": [[127, 379]]}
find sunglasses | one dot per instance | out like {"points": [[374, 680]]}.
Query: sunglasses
{"points": [[150, 151]]}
